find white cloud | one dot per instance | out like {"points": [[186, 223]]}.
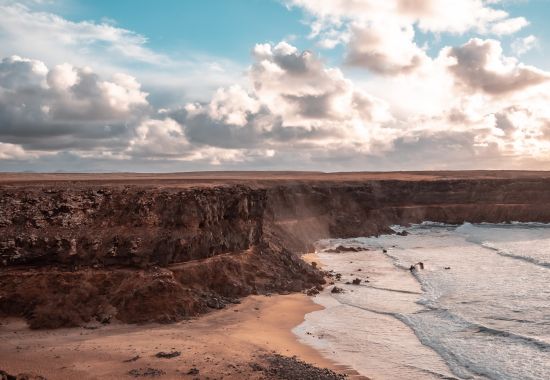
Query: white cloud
{"points": [[13, 152], [523, 45], [43, 108], [509, 26], [384, 48], [380, 35], [470, 106], [480, 65], [109, 49], [294, 100]]}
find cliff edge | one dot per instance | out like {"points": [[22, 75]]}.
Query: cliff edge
{"points": [[80, 249]]}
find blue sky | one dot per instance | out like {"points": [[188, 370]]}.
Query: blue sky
{"points": [[230, 28], [245, 84], [227, 28]]}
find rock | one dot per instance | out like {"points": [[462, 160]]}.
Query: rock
{"points": [[22, 376], [447, 268], [104, 319], [385, 251], [341, 249], [291, 368], [133, 359], [312, 292], [337, 290], [215, 303], [193, 371], [357, 281], [146, 372], [402, 233], [167, 355], [256, 367]]}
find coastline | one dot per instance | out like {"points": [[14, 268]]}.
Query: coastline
{"points": [[224, 343]]}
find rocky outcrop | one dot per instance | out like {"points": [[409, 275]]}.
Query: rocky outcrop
{"points": [[73, 254], [129, 226]]}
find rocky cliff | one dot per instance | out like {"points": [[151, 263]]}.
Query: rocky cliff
{"points": [[73, 252]]}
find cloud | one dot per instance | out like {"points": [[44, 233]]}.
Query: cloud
{"points": [[479, 65], [523, 45], [380, 35], [430, 15], [469, 106], [40, 30], [65, 106], [294, 99], [384, 48], [28, 32], [13, 152]]}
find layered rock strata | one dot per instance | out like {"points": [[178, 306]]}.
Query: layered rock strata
{"points": [[75, 253]]}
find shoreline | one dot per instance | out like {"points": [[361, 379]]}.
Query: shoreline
{"points": [[225, 343]]}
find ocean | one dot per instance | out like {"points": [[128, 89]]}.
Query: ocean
{"points": [[480, 308]]}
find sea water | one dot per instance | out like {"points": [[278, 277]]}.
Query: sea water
{"points": [[480, 308]]}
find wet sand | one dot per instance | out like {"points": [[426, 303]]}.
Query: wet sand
{"points": [[222, 344]]}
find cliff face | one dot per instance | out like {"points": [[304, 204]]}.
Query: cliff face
{"points": [[74, 253], [126, 226], [306, 213]]}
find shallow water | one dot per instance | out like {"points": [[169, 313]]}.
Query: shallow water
{"points": [[487, 317]]}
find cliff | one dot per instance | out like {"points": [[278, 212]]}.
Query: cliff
{"points": [[77, 249]]}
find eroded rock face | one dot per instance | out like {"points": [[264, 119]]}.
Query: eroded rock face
{"points": [[129, 226], [305, 213], [71, 255]]}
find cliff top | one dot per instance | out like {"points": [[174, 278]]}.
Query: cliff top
{"points": [[252, 178]]}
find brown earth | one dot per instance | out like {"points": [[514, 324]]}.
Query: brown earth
{"points": [[77, 249], [239, 342]]}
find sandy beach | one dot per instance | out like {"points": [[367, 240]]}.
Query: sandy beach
{"points": [[223, 344]]}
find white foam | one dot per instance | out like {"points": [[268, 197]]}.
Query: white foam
{"points": [[488, 316]]}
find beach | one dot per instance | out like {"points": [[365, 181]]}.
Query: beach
{"points": [[228, 344], [437, 301]]}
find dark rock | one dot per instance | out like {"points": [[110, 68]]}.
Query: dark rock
{"points": [[337, 290], [312, 292], [357, 281], [22, 376], [291, 368], [193, 371], [342, 248], [402, 233], [256, 367], [167, 355], [146, 372], [215, 303], [137, 357]]}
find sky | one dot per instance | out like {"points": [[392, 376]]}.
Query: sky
{"points": [[328, 85]]}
